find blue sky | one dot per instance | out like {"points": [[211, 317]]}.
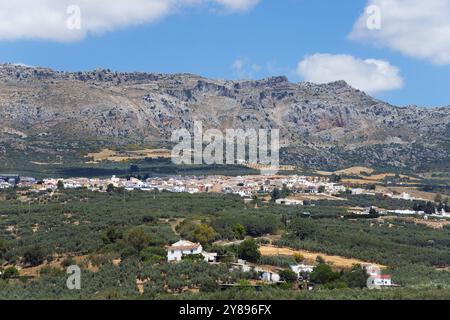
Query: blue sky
{"points": [[269, 38]]}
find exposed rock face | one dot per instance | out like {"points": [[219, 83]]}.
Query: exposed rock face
{"points": [[326, 126]]}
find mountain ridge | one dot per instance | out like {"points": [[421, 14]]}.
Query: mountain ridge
{"points": [[322, 125]]}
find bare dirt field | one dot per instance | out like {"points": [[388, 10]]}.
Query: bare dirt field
{"points": [[434, 224], [411, 190], [314, 197], [348, 171], [34, 272], [116, 156], [334, 261], [366, 175]]}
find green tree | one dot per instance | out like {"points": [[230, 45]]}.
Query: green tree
{"points": [[320, 260], [321, 189], [34, 256], [285, 192], [255, 200], [134, 168], [153, 254], [175, 284], [3, 248], [288, 275], [323, 274], [447, 204], [10, 273], [193, 257], [299, 258], [69, 261], [430, 208], [303, 228], [356, 277], [239, 231], [111, 235], [110, 188], [204, 234], [249, 250], [137, 239], [60, 185], [335, 178], [208, 284], [276, 194]]}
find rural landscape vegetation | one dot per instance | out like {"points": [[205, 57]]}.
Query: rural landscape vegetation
{"points": [[95, 203]]}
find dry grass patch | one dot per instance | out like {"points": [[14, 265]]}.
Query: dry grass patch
{"points": [[334, 261], [117, 156]]}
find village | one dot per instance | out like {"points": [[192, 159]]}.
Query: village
{"points": [[301, 188], [277, 258]]}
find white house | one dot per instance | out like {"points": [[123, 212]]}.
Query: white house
{"points": [[242, 265], [177, 250], [302, 268], [183, 247], [270, 277], [405, 212], [210, 257], [379, 282], [267, 275], [289, 202]]}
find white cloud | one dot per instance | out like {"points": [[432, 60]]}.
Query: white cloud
{"points": [[370, 75], [238, 64], [48, 19], [238, 5], [416, 28], [244, 69]]}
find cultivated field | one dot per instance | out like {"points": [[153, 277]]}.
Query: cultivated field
{"points": [[118, 156], [335, 261]]}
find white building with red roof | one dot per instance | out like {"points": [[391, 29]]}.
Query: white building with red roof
{"points": [[380, 281]]}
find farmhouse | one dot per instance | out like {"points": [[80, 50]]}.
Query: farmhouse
{"points": [[176, 251], [289, 202], [380, 281], [241, 265], [268, 275], [183, 247], [302, 268]]}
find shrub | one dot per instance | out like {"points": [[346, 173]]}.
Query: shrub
{"points": [[248, 250], [34, 256], [323, 274], [299, 258], [278, 261], [288, 275], [10, 273], [203, 234], [67, 262]]}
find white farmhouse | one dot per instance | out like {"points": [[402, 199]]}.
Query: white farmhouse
{"points": [[270, 277], [302, 268], [183, 247], [289, 202], [267, 275], [379, 282], [176, 251]]}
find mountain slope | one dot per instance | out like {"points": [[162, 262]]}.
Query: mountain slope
{"points": [[57, 116]]}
